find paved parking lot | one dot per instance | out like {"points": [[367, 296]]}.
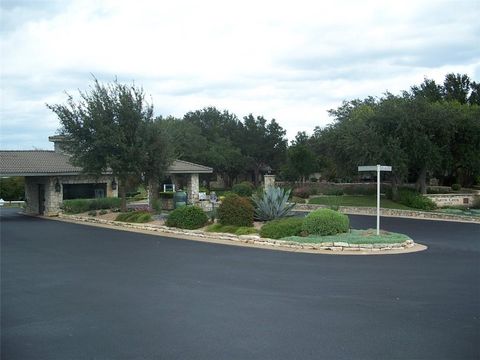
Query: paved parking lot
{"points": [[79, 292]]}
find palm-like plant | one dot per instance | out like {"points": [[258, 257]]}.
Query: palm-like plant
{"points": [[272, 204]]}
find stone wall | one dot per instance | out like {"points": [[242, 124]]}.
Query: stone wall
{"points": [[446, 200]]}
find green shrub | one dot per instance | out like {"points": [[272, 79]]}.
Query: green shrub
{"points": [[273, 204], [135, 217], [235, 210], [187, 217], [92, 213], [277, 229], [456, 187], [76, 206], [103, 212], [325, 222], [244, 189], [413, 199]]}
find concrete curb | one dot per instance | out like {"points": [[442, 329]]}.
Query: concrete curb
{"points": [[423, 215], [254, 240]]}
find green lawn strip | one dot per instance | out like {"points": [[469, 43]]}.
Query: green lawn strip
{"points": [[357, 201], [354, 237], [453, 211], [231, 229]]}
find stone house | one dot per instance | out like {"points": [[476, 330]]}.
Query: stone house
{"points": [[50, 178]]}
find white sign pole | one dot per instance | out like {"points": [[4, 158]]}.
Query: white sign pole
{"points": [[378, 199], [378, 169]]}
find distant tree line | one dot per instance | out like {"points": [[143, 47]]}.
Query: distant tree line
{"points": [[431, 130]]}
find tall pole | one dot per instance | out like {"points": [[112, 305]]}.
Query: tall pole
{"points": [[378, 199]]}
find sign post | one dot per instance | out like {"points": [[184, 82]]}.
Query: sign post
{"points": [[378, 169]]}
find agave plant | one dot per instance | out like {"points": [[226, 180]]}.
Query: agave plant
{"points": [[272, 204]]}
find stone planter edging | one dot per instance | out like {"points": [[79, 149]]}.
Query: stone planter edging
{"points": [[249, 239], [391, 212]]}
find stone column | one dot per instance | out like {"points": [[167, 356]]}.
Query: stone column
{"points": [[110, 191], [31, 195], [53, 199], [193, 188], [269, 181]]}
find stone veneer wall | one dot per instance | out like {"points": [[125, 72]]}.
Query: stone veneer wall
{"points": [[269, 180], [53, 199]]}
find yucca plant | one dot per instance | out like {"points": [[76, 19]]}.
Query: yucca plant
{"points": [[272, 204]]}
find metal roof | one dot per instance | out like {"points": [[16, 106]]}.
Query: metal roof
{"points": [[50, 163]]}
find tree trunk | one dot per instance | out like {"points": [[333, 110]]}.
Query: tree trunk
{"points": [[153, 193], [395, 184], [123, 194], [257, 176], [421, 184]]}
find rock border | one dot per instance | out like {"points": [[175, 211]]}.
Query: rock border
{"points": [[325, 247], [423, 215]]}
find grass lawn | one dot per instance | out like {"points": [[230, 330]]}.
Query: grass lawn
{"points": [[232, 229], [354, 237], [357, 200]]}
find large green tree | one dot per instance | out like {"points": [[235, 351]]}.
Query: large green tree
{"points": [[263, 144], [106, 130]]}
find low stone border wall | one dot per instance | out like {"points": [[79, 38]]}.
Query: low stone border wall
{"points": [[391, 212], [250, 239]]}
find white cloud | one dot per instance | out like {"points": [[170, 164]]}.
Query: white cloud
{"points": [[284, 60]]}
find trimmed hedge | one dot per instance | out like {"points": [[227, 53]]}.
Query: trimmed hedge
{"points": [[76, 206], [325, 222], [135, 217], [187, 217], [235, 210], [277, 229]]}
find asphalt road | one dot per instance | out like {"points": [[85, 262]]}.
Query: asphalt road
{"points": [[78, 292]]}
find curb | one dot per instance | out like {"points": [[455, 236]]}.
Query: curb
{"points": [[254, 240]]}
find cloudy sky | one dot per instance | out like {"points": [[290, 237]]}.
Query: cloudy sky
{"points": [[288, 60]]}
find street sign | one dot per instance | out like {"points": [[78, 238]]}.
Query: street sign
{"points": [[374, 168], [378, 169]]}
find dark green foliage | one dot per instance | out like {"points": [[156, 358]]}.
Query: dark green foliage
{"points": [[135, 217], [456, 187], [111, 126], [92, 213], [236, 210], [187, 217], [334, 192], [413, 199], [103, 212], [76, 206], [325, 222], [244, 189], [277, 229], [12, 188]]}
